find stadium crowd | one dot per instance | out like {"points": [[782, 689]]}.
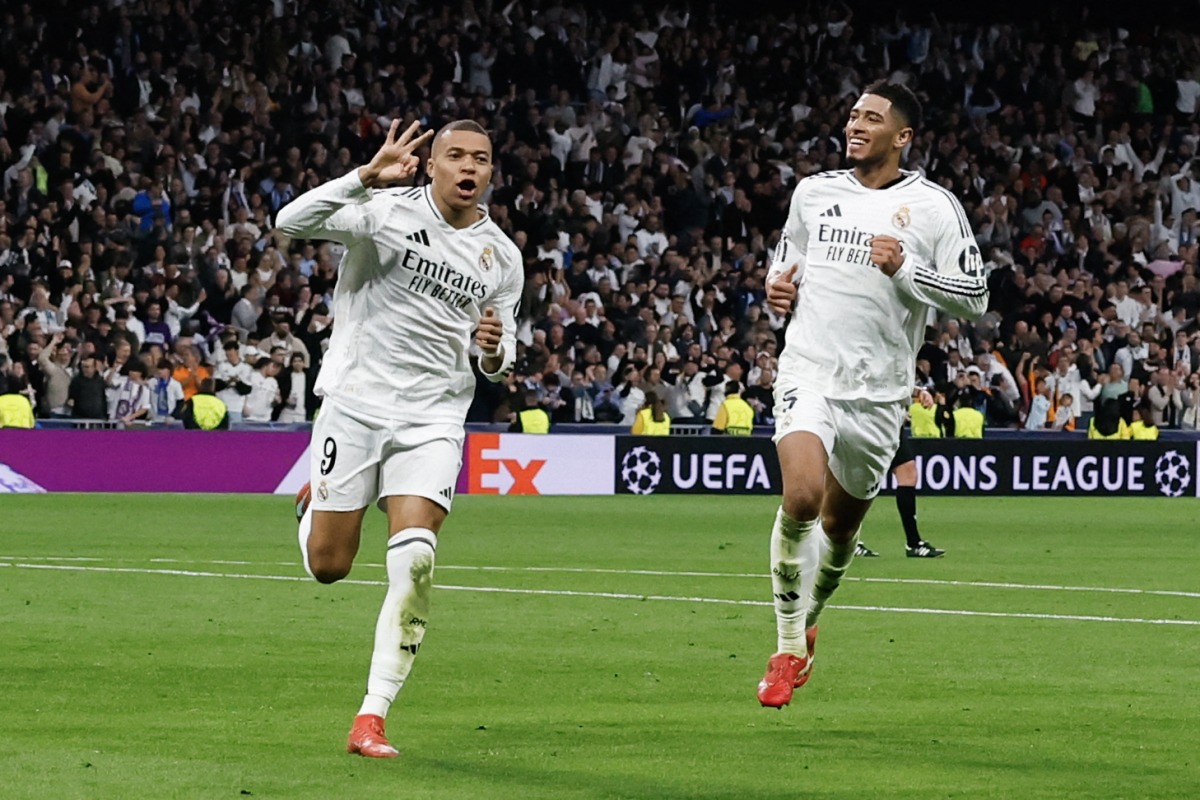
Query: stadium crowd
{"points": [[645, 158]]}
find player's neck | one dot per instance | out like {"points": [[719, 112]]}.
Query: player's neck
{"points": [[877, 176], [458, 218]]}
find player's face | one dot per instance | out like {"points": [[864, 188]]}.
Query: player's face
{"points": [[461, 167], [874, 132]]}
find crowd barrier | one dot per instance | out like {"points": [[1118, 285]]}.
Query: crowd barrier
{"points": [[579, 464]]}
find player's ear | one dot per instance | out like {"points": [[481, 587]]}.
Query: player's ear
{"points": [[903, 138], [429, 164]]}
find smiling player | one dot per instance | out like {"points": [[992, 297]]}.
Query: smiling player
{"points": [[865, 256], [424, 267]]}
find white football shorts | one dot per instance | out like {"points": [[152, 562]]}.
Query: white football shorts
{"points": [[860, 436], [356, 459]]}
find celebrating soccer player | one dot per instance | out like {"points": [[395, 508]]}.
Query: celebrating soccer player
{"points": [[865, 256], [424, 267]]}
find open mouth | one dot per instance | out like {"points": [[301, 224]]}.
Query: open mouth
{"points": [[466, 187], [856, 141]]}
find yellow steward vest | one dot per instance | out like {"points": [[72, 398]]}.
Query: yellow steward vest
{"points": [[208, 411], [535, 420]]}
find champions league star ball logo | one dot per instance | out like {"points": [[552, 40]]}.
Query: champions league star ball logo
{"points": [[1172, 473], [641, 470]]}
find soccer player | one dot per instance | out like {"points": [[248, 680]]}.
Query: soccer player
{"points": [[865, 256], [424, 267]]}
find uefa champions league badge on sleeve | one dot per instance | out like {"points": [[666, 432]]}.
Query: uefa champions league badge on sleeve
{"points": [[902, 218], [487, 258]]}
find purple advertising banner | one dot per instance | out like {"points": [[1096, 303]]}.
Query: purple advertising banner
{"points": [[152, 461]]}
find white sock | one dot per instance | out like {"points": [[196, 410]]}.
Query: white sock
{"points": [[305, 532], [793, 556], [401, 625], [835, 560]]}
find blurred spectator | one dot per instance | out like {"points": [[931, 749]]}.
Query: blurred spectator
{"points": [[652, 419], [531, 418], [293, 389], [166, 393], [55, 363], [205, 410], [735, 417], [264, 392], [232, 380], [16, 411], [86, 394], [131, 401]]}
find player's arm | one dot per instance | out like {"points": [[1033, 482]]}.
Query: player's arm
{"points": [[789, 258], [338, 209], [954, 282], [496, 335]]}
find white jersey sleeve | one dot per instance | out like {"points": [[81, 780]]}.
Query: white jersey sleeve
{"points": [[954, 281], [792, 248], [336, 210], [506, 301]]}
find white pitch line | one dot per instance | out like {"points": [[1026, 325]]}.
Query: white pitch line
{"points": [[1047, 587], [612, 595]]}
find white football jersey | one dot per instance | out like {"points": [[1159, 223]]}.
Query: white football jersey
{"points": [[854, 331], [411, 289]]}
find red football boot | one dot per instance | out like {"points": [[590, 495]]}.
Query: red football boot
{"points": [[368, 739]]}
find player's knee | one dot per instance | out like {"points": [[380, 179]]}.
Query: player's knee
{"points": [[327, 570], [837, 527], [802, 502]]}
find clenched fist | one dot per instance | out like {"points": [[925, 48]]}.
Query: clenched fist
{"points": [[488, 334], [781, 292], [887, 253]]}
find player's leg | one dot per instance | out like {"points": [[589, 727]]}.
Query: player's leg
{"points": [[804, 437], [841, 517], [344, 462], [867, 439], [417, 483], [794, 543]]}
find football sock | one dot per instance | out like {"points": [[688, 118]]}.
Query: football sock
{"points": [[401, 625], [305, 532], [906, 504], [794, 553], [835, 560]]}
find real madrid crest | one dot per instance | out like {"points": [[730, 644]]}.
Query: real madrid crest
{"points": [[902, 217], [322, 492], [487, 258]]}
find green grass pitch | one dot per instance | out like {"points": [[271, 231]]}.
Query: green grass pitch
{"points": [[163, 647]]}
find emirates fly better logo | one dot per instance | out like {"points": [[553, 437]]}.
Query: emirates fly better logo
{"points": [[1172, 473]]}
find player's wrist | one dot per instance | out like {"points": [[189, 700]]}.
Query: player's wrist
{"points": [[368, 177]]}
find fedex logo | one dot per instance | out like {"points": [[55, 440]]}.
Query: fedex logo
{"points": [[491, 473], [529, 464]]}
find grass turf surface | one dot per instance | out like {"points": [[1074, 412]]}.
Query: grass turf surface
{"points": [[122, 684]]}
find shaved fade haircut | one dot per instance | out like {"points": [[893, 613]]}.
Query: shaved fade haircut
{"points": [[903, 101], [468, 125]]}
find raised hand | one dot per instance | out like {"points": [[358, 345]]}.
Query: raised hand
{"points": [[395, 161], [781, 292]]}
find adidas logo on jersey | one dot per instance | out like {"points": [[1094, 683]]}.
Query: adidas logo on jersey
{"points": [[833, 211], [420, 237]]}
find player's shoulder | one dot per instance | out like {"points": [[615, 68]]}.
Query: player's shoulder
{"points": [[946, 202], [406, 194], [819, 181]]}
